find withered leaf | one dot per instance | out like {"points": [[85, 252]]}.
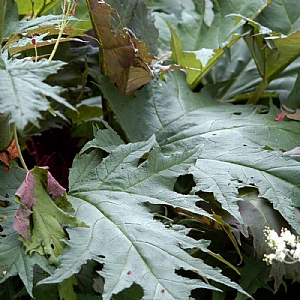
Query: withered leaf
{"points": [[124, 59], [10, 153]]}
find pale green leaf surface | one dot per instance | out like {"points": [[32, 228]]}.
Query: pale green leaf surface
{"points": [[123, 235], [155, 106], [177, 115], [11, 18], [14, 261], [235, 131], [23, 92], [106, 139]]}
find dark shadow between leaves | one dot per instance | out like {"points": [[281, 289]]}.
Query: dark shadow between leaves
{"points": [[134, 292]]}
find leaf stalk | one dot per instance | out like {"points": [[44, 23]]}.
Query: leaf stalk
{"points": [[68, 8], [19, 149]]}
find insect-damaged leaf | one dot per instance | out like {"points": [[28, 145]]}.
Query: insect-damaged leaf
{"points": [[111, 197], [124, 58], [36, 196]]}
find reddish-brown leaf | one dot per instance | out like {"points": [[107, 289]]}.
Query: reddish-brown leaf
{"points": [[124, 58], [9, 154], [54, 189], [26, 191], [22, 222]]}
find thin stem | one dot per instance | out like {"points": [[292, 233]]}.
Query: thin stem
{"points": [[19, 149], [56, 44], [67, 8], [35, 50], [258, 93]]}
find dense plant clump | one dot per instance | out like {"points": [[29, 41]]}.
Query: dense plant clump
{"points": [[149, 149]]}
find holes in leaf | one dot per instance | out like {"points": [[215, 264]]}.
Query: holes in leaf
{"points": [[248, 191], [52, 246], [144, 158], [237, 113], [184, 184], [188, 274]]}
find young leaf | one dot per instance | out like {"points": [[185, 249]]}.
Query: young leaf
{"points": [[125, 59], [23, 92], [111, 198]]}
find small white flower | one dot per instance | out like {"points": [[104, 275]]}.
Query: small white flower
{"points": [[286, 246], [279, 255], [288, 237]]}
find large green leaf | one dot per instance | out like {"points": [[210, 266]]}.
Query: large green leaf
{"points": [[233, 140], [155, 106], [112, 199], [23, 92]]}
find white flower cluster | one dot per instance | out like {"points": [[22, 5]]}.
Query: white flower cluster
{"points": [[286, 246]]}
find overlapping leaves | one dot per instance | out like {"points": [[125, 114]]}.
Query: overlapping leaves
{"points": [[13, 260], [233, 140], [112, 198], [200, 51]]}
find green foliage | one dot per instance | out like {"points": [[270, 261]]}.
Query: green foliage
{"points": [[17, 75], [170, 194]]}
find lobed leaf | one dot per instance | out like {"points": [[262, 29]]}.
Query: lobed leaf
{"points": [[23, 92], [233, 140], [111, 198]]}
